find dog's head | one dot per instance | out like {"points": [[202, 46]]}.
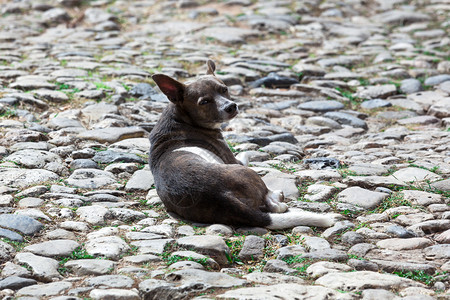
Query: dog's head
{"points": [[205, 101]]}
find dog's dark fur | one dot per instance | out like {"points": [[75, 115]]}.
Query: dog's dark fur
{"points": [[218, 188]]}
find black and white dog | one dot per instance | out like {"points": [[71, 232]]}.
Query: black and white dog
{"points": [[197, 176]]}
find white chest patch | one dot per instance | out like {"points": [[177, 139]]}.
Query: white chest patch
{"points": [[203, 153]]}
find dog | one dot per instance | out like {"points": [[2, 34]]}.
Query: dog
{"points": [[197, 176]]}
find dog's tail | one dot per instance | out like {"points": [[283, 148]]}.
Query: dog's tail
{"points": [[295, 217]]}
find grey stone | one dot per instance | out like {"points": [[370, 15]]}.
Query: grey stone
{"points": [[30, 202], [379, 91], [142, 180], [374, 294], [272, 278], [400, 231], [111, 247], [362, 265], [208, 279], [320, 192], [62, 122], [290, 251], [109, 281], [6, 200], [438, 251], [155, 246], [321, 106], [142, 258], [443, 185], [109, 156], [45, 290], [219, 229], [12, 269], [283, 291], [360, 280], [102, 294], [11, 235], [228, 35], [375, 103], [324, 122], [182, 265], [194, 255], [321, 268], [314, 243], [94, 214], [347, 119], [396, 266], [352, 238], [400, 17], [422, 120], [361, 197], [91, 178], [421, 197], [410, 85], [373, 181], [52, 96], [404, 244], [15, 283], [210, 245], [327, 254], [368, 169], [21, 223], [25, 177], [43, 268], [83, 267], [343, 60], [55, 248], [60, 234], [415, 175], [55, 15], [126, 214], [435, 80], [278, 266], [252, 249], [83, 164], [112, 135], [69, 73]]}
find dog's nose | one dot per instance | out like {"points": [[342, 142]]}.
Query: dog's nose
{"points": [[231, 108]]}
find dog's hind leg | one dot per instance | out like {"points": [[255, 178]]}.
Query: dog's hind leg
{"points": [[274, 202], [295, 217]]}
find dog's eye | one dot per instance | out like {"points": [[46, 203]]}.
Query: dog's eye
{"points": [[203, 101], [223, 89]]}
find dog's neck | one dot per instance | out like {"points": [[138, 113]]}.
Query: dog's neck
{"points": [[175, 130]]}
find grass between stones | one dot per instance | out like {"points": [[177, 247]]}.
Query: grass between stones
{"points": [[78, 253], [422, 276], [18, 246], [394, 200]]}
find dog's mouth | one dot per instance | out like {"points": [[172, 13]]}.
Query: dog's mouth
{"points": [[233, 114]]}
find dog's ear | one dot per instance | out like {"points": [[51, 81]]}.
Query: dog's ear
{"points": [[211, 67], [172, 88]]}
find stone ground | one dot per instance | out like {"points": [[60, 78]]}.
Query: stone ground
{"points": [[344, 105]]}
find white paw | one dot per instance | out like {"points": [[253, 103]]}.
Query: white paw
{"points": [[282, 207], [273, 202]]}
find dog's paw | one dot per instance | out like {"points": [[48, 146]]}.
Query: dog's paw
{"points": [[274, 202], [282, 207]]}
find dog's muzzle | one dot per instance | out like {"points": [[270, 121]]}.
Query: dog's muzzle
{"points": [[231, 109]]}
